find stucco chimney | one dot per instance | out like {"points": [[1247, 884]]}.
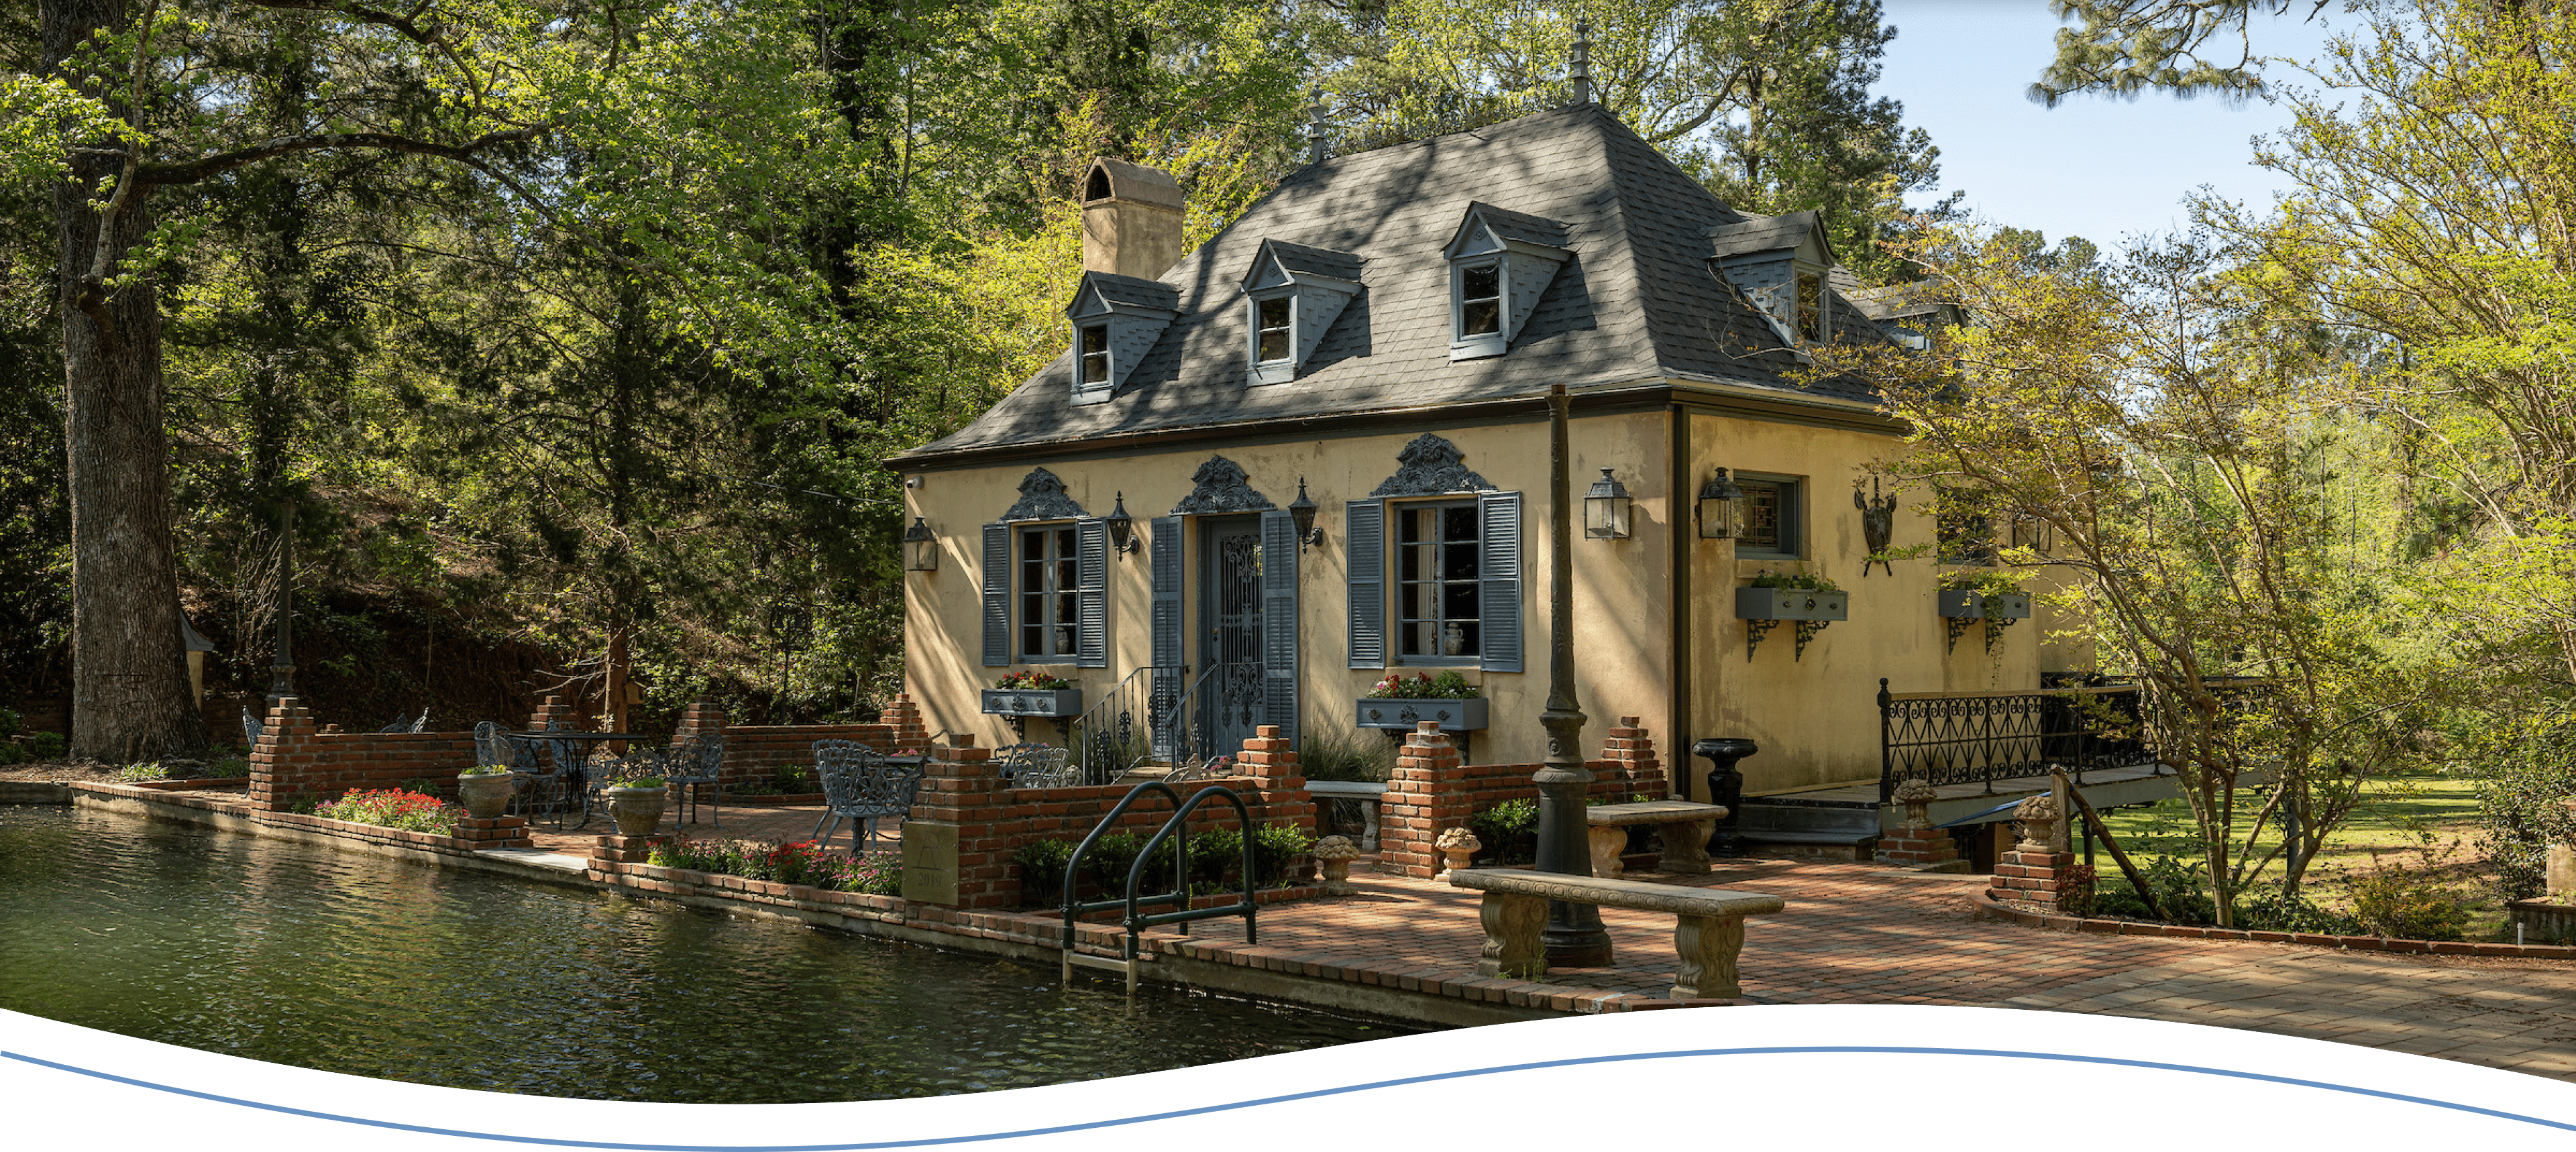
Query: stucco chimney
{"points": [[1131, 220]]}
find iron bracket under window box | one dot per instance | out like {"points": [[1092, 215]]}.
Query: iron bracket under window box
{"points": [[1056, 704], [1403, 713], [1811, 610]]}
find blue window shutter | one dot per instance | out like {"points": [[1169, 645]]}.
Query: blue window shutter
{"points": [[1499, 576], [1364, 553], [997, 595], [1279, 622], [1091, 567], [1169, 677]]}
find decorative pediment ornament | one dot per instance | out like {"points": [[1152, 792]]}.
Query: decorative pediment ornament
{"points": [[1222, 487], [1432, 467], [1042, 497]]}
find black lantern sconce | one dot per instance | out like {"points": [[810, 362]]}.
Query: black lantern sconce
{"points": [[1302, 512], [1122, 529], [1721, 508], [920, 547], [1606, 509]]}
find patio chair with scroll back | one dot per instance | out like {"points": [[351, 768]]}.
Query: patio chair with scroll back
{"points": [[699, 763], [540, 786], [860, 786]]}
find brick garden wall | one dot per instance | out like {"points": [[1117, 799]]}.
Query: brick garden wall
{"points": [[294, 761], [1431, 791], [958, 842]]}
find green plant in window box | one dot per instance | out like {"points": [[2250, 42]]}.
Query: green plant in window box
{"points": [[1399, 702], [1811, 601]]}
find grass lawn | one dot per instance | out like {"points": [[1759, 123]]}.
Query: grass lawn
{"points": [[2414, 820]]}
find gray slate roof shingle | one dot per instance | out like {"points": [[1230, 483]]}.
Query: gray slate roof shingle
{"points": [[1320, 261], [1638, 301]]}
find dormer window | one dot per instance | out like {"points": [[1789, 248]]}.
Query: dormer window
{"points": [[1095, 356], [1292, 296], [1116, 320], [1500, 263], [1780, 264]]}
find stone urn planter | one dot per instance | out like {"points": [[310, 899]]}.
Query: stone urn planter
{"points": [[485, 793], [637, 806]]}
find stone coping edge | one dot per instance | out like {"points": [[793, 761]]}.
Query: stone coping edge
{"points": [[341, 829], [2055, 923]]}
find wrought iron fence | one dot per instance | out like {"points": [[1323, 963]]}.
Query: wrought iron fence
{"points": [[1226, 697], [1973, 737], [1118, 732]]}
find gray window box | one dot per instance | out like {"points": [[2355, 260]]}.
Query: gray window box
{"points": [[1961, 604], [1791, 604], [1062, 703], [1402, 713]]}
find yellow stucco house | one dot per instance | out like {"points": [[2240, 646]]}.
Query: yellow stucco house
{"points": [[1371, 345]]}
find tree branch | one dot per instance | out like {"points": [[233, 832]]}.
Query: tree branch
{"points": [[198, 169]]}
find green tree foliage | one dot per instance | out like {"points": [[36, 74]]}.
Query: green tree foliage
{"points": [[2186, 47]]}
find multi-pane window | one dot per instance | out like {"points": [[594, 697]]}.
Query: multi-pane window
{"points": [[1048, 583], [1438, 598], [1480, 300], [1770, 518], [1811, 308], [1274, 329], [1095, 355]]}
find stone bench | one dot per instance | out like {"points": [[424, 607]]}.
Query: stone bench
{"points": [[1709, 931], [1685, 826]]}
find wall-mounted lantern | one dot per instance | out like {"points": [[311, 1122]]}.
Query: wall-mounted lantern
{"points": [[1122, 529], [1721, 508], [1302, 512], [1606, 508], [920, 547]]}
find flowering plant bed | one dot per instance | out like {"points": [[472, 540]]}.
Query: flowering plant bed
{"points": [[794, 862], [392, 808]]}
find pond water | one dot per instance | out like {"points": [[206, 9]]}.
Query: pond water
{"points": [[354, 963]]}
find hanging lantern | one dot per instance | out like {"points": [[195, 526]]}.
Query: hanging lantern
{"points": [[1122, 528], [1302, 513], [1605, 509], [1721, 508]]}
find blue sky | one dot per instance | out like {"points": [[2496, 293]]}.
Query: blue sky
{"points": [[2094, 167]]}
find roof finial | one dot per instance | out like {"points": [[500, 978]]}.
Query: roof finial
{"points": [[1315, 150], [1580, 75]]}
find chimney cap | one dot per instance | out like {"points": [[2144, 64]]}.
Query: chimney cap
{"points": [[1114, 179]]}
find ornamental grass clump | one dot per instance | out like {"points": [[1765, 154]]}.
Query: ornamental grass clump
{"points": [[392, 808]]}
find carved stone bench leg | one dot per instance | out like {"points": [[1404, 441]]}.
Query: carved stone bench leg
{"points": [[1708, 945], [1686, 845], [1512, 947], [1608, 841]]}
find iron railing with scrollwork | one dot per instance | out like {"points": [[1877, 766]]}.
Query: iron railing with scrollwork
{"points": [[1225, 697], [1982, 737], [1117, 733]]}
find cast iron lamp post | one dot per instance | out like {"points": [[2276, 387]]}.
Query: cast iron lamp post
{"points": [[1574, 936]]}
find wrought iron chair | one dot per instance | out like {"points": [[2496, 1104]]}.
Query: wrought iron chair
{"points": [[540, 786], [700, 765], [860, 786], [1044, 766], [408, 724], [252, 728]]}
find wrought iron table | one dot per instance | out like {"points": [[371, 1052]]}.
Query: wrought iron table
{"points": [[573, 752]]}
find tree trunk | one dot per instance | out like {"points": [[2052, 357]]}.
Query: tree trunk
{"points": [[130, 697]]}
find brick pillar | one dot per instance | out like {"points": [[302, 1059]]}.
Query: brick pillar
{"points": [[1272, 763], [1630, 749], [289, 762], [903, 718], [1423, 796], [2035, 870], [554, 710], [946, 849], [705, 717], [1916, 843], [497, 832]]}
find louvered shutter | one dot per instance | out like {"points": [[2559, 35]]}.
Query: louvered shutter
{"points": [[1091, 599], [997, 595], [1364, 551], [1499, 576], [1169, 676], [1279, 622]]}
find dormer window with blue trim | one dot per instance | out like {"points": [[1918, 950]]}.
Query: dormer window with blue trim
{"points": [[1292, 295], [1781, 264], [1500, 263], [1116, 320]]}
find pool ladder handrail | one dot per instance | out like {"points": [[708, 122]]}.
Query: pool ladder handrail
{"points": [[1132, 952]]}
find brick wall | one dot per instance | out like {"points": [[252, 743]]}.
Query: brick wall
{"points": [[295, 762], [1430, 791], [961, 835], [757, 751]]}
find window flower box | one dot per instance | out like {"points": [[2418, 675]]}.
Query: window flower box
{"points": [[1791, 604], [1402, 713], [1051, 704], [1963, 604]]}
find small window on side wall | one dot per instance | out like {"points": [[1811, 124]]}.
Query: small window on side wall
{"points": [[1771, 518], [1276, 330], [1095, 355]]}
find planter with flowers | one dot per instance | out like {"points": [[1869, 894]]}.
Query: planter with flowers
{"points": [[1024, 694], [485, 790], [1398, 703]]}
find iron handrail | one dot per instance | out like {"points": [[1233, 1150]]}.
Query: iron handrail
{"points": [[1104, 736], [1073, 865], [1185, 736], [1181, 872]]}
